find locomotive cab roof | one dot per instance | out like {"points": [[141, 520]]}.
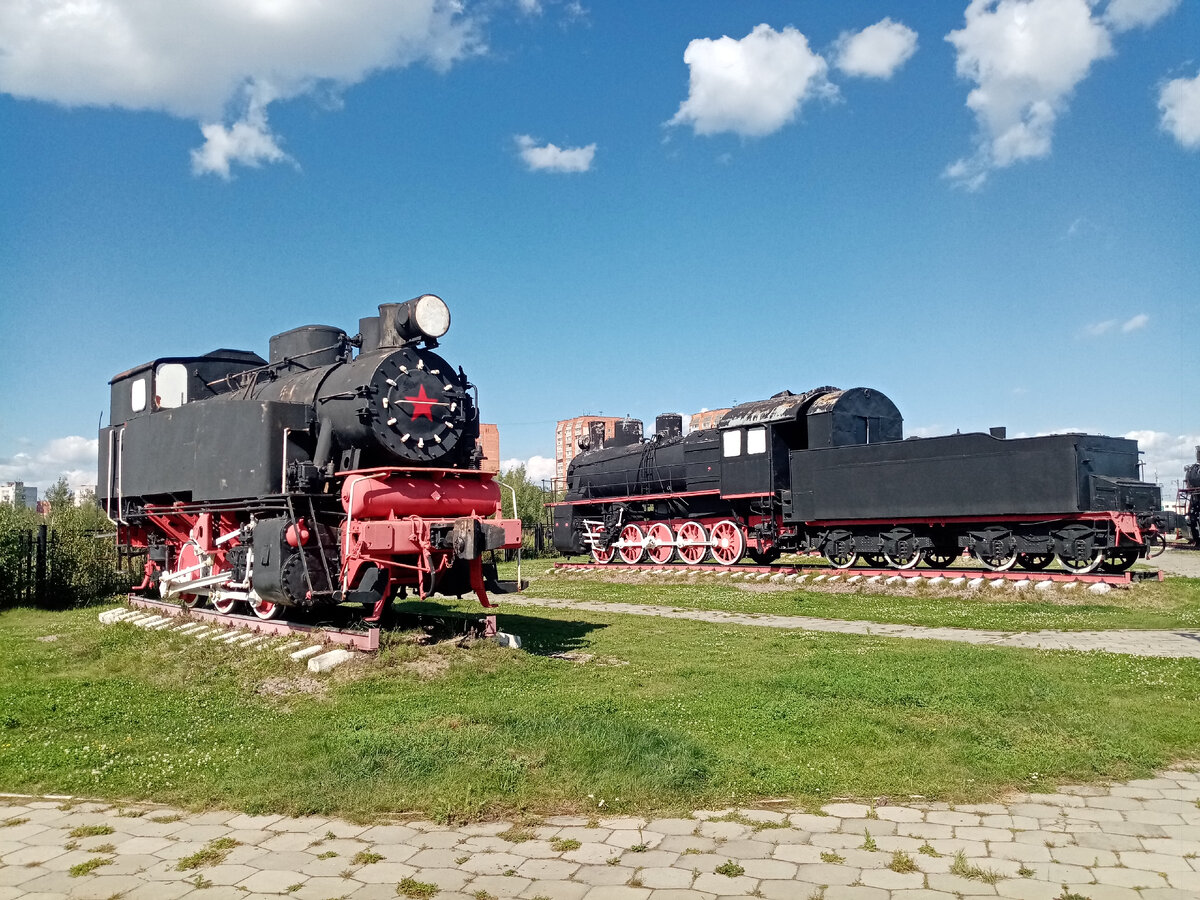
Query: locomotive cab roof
{"points": [[171, 381]]}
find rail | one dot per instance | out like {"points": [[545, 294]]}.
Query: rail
{"points": [[828, 573]]}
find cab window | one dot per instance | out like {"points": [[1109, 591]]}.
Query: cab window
{"points": [[170, 385], [731, 443], [137, 395], [756, 441]]}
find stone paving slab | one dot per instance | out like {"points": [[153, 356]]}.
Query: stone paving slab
{"points": [[1134, 841], [1175, 644]]}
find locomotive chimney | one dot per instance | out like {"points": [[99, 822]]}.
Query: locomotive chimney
{"points": [[368, 330]]}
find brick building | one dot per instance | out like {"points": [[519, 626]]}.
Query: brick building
{"points": [[706, 419], [489, 442]]}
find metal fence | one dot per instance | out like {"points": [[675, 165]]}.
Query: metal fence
{"points": [[27, 561], [536, 540]]}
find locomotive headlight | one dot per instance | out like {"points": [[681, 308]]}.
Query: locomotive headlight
{"points": [[430, 314], [423, 318]]}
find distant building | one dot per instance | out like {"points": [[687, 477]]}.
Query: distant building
{"points": [[18, 494], [707, 418], [489, 443], [566, 441], [85, 493]]}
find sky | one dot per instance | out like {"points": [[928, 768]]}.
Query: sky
{"points": [[990, 211]]}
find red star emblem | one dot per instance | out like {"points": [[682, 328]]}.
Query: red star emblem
{"points": [[422, 405]]}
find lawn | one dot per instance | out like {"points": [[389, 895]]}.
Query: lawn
{"points": [[646, 716], [1174, 603]]}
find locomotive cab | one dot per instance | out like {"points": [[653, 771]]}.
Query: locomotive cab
{"points": [[171, 381]]}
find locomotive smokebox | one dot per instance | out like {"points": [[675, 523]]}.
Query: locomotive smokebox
{"points": [[310, 346], [668, 425], [426, 317]]}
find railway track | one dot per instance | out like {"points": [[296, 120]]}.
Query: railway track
{"points": [[813, 574]]}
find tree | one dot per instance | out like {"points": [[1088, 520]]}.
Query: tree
{"points": [[531, 500]]}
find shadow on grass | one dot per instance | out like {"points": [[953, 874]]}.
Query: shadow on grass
{"points": [[540, 637]]}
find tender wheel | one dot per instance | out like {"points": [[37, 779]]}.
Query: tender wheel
{"points": [[1082, 565], [660, 543], [1117, 561], [633, 540], [906, 556], [940, 559], [839, 550], [691, 542], [998, 562], [995, 549], [728, 543], [874, 560], [1034, 562], [264, 609]]}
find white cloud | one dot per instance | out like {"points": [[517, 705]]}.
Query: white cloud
{"points": [[530, 7], [248, 142], [877, 51], [552, 158], [1179, 101], [1025, 58], [752, 86], [537, 468], [73, 458], [1122, 15], [1135, 323], [1165, 456], [218, 61]]}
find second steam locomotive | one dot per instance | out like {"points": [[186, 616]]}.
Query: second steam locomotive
{"points": [[829, 471], [341, 469]]}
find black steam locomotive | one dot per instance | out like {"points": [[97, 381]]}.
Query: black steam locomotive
{"points": [[338, 470], [830, 471], [1190, 494]]}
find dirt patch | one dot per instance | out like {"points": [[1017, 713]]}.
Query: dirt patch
{"points": [[48, 638], [291, 686], [428, 666]]}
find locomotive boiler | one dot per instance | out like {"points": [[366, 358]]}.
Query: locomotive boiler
{"points": [[829, 471], [340, 469]]}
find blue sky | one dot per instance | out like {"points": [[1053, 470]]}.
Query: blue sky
{"points": [[630, 208]]}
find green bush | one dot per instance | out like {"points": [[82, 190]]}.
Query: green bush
{"points": [[81, 558]]}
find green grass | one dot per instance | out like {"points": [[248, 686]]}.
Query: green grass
{"points": [[88, 866], [1174, 603], [668, 716]]}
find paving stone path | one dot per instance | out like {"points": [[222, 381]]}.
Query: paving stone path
{"points": [[1178, 644], [1135, 840]]}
